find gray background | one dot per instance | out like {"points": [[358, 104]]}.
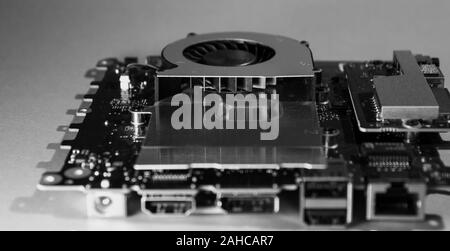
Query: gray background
{"points": [[48, 45]]}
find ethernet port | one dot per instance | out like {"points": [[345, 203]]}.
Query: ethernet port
{"points": [[396, 201]]}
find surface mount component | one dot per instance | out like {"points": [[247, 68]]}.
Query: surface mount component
{"points": [[406, 96], [185, 134], [397, 96]]}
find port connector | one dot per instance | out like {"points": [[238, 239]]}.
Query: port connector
{"points": [[326, 189], [206, 197], [250, 204], [326, 202], [396, 201], [167, 205], [326, 217], [243, 201]]}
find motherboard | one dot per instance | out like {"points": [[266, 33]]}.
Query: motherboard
{"points": [[249, 123]]}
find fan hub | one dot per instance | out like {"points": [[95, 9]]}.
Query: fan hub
{"points": [[229, 57]]}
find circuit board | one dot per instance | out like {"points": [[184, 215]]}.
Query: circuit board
{"points": [[344, 162]]}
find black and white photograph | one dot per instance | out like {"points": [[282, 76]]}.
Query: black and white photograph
{"points": [[227, 124]]}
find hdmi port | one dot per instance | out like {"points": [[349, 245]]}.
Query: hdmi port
{"points": [[168, 205]]}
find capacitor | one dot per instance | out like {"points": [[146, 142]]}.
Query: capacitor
{"points": [[139, 117], [318, 75], [330, 138], [411, 136], [323, 94]]}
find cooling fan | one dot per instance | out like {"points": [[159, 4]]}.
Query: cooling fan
{"points": [[239, 55], [228, 53]]}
